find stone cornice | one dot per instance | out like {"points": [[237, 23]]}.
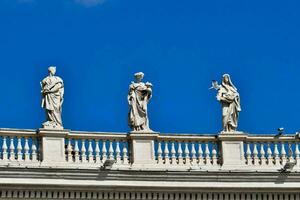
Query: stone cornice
{"points": [[137, 175]]}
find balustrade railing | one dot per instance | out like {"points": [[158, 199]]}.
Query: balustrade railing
{"points": [[96, 148], [18, 146], [260, 151], [268, 150], [182, 149]]}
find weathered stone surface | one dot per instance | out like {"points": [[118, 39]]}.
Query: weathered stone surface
{"points": [[232, 148], [52, 146], [142, 148]]}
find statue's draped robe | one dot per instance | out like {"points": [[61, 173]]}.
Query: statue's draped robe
{"points": [[52, 100], [230, 106], [138, 98]]}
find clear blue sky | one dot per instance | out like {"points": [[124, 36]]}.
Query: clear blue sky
{"points": [[179, 45]]}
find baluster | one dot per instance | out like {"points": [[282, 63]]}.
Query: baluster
{"points": [[292, 197], [200, 154], [118, 152], [19, 149], [76, 151], [214, 155], [69, 151], [248, 154], [4, 148], [26, 150], [83, 151], [180, 159], [269, 154], [125, 157], [166, 153], [34, 150], [144, 195], [97, 151], [186, 153], [111, 151], [90, 151], [159, 153], [262, 154], [207, 154], [290, 159], [276, 154], [173, 153], [255, 154], [283, 154], [12, 149], [297, 156], [193, 152], [104, 151]]}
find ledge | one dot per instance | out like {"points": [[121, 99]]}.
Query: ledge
{"points": [[53, 132]]}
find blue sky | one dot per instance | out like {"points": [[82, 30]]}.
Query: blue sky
{"points": [[181, 46]]}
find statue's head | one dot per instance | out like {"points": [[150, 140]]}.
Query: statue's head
{"points": [[139, 76], [52, 70], [226, 78], [227, 81]]}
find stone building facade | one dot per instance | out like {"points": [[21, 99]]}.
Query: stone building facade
{"points": [[64, 164]]}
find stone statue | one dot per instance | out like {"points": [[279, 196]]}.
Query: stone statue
{"points": [[138, 97], [230, 101], [52, 99]]}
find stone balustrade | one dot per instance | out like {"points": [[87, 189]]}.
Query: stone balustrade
{"points": [[96, 148], [271, 151], [19, 146], [148, 151], [189, 150], [64, 164]]}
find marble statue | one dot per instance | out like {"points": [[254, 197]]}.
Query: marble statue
{"points": [[230, 101], [138, 97], [52, 99]]}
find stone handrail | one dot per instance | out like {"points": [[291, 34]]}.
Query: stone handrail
{"points": [[270, 137], [188, 137], [97, 135]]}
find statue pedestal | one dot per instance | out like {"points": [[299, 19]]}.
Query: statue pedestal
{"points": [[232, 148], [52, 143], [142, 147]]}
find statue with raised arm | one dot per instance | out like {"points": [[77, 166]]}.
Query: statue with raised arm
{"points": [[52, 89], [230, 100], [138, 97]]}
